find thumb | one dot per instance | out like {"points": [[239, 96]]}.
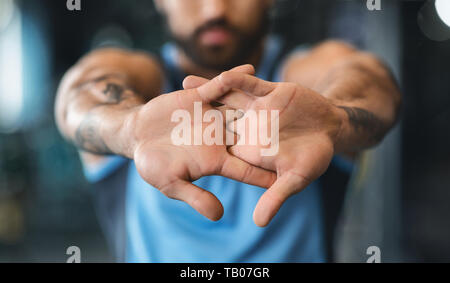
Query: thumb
{"points": [[204, 202], [271, 201], [191, 82]]}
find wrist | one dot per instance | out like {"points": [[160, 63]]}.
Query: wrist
{"points": [[340, 138], [128, 132], [116, 128]]}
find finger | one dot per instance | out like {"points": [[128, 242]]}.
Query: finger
{"points": [[220, 85], [202, 201], [234, 99], [213, 90], [271, 201], [246, 69], [251, 154], [191, 82], [247, 83], [239, 170], [237, 100], [230, 114]]}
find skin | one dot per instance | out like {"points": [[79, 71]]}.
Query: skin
{"points": [[142, 131], [185, 18], [313, 129], [334, 100]]}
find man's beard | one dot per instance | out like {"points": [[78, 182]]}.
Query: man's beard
{"points": [[223, 58]]}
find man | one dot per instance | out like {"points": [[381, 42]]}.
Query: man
{"points": [[331, 99]]}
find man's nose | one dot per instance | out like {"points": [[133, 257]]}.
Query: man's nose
{"points": [[214, 9]]}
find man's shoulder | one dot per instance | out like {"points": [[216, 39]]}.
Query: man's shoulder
{"points": [[313, 55]]}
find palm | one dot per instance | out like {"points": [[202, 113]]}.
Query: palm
{"points": [[307, 125], [301, 139], [172, 168]]}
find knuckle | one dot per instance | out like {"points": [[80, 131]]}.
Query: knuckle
{"points": [[169, 190], [226, 77], [219, 84]]}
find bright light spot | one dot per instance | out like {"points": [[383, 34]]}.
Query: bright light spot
{"points": [[443, 10], [11, 88], [6, 13]]}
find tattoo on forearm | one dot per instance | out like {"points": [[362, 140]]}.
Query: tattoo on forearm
{"points": [[88, 138], [366, 123], [114, 92]]}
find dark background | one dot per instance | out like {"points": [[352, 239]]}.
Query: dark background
{"points": [[46, 205]]}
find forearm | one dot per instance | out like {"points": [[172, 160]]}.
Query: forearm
{"points": [[357, 84], [369, 99], [98, 97], [97, 116]]}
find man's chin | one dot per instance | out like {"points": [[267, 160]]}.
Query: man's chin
{"points": [[217, 58], [217, 64]]}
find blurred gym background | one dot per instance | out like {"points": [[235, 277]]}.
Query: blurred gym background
{"points": [[398, 199]]}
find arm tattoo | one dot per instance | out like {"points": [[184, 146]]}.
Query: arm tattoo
{"points": [[87, 136], [365, 122], [113, 93]]}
